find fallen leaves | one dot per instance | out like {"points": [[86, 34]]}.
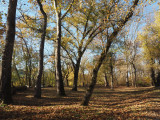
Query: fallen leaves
{"points": [[139, 103]]}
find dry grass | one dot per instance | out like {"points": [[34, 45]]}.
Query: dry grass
{"points": [[118, 104]]}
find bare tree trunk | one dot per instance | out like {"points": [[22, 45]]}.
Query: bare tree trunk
{"points": [[19, 78], [111, 66], [15, 68], [153, 77], [76, 71], [84, 79], [41, 54], [28, 64], [43, 80], [26, 73], [91, 87], [30, 71], [8, 52], [127, 79], [106, 80], [158, 79], [135, 75], [59, 79], [112, 80], [66, 77]]}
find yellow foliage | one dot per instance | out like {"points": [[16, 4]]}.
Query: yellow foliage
{"points": [[2, 42], [150, 39]]}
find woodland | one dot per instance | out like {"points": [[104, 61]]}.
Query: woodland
{"points": [[79, 59]]}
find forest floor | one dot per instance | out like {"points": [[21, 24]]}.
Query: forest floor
{"points": [[119, 104]]}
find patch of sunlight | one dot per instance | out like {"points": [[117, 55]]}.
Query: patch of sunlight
{"points": [[29, 96]]}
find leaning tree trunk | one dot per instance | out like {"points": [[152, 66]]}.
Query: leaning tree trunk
{"points": [[59, 79], [41, 54], [89, 91], [8, 52]]}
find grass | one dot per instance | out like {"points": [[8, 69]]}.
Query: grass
{"points": [[119, 104]]}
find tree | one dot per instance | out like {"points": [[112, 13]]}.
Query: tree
{"points": [[110, 39], [41, 52], [83, 31], [59, 18], [150, 42], [7, 53]]}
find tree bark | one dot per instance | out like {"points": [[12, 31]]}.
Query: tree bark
{"points": [[59, 79], [158, 79], [127, 79], [135, 75], [30, 71], [26, 73], [111, 66], [66, 78], [153, 77], [106, 80], [18, 75], [8, 52], [41, 54], [76, 71], [28, 64]]}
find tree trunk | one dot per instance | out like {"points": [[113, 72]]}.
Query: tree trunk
{"points": [[153, 77], [106, 80], [8, 52], [67, 83], [26, 73], [28, 64], [127, 78], [59, 79], [18, 75], [135, 75], [66, 78], [90, 89], [43, 80], [41, 54], [111, 66], [158, 79], [30, 71], [84, 79], [76, 71]]}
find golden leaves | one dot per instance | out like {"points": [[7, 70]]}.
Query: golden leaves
{"points": [[2, 42], [120, 104]]}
